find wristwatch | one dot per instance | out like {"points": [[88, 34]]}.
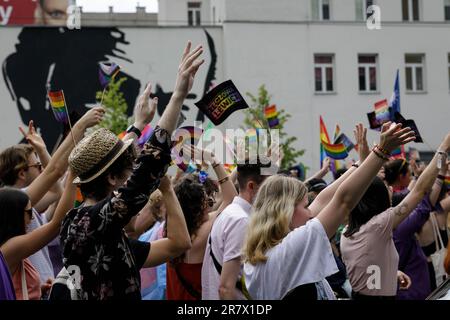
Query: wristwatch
{"points": [[135, 130]]}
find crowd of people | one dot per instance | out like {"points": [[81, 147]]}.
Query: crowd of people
{"points": [[379, 231]]}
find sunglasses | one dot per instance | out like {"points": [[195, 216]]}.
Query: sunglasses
{"points": [[38, 165]]}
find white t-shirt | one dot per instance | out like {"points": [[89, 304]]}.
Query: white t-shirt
{"points": [[303, 257], [227, 238]]}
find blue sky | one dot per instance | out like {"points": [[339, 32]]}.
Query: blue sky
{"points": [[119, 5]]}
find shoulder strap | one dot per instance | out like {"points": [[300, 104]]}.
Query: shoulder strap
{"points": [[437, 234], [189, 288], [24, 282], [216, 263]]}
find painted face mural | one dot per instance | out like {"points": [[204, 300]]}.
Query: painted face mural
{"points": [[56, 58]]}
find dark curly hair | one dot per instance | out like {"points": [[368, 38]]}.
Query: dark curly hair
{"points": [[192, 196]]}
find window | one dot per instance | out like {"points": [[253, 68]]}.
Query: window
{"points": [[320, 9], [367, 72], [415, 72], [324, 73], [361, 8], [410, 10], [194, 13], [447, 10]]}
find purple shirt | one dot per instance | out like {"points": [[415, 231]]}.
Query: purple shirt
{"points": [[412, 259], [6, 285]]}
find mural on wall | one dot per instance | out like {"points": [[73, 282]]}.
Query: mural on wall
{"points": [[57, 58]]}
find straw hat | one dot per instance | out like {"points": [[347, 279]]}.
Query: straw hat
{"points": [[95, 153]]}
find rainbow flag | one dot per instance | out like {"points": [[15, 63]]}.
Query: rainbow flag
{"points": [[447, 182], [78, 199], [58, 104], [382, 113], [398, 153], [146, 134], [271, 115], [107, 72], [335, 164], [323, 137], [335, 151]]}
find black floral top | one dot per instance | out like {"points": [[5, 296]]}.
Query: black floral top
{"points": [[93, 238]]}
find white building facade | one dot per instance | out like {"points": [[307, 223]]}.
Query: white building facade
{"points": [[318, 57]]}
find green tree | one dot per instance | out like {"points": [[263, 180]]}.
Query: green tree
{"points": [[116, 118], [254, 116]]}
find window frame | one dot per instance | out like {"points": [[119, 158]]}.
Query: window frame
{"points": [[367, 66], [414, 66], [411, 11], [323, 67], [194, 9]]}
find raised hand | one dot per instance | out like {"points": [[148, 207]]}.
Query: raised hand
{"points": [[92, 117], [165, 184], [393, 136], [199, 156], [360, 133], [326, 164], [33, 138], [145, 108], [187, 69]]}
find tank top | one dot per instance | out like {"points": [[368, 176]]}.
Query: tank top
{"points": [[26, 276]]}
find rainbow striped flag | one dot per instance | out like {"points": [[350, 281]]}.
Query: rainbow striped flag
{"points": [[447, 182], [323, 137], [398, 153], [107, 72], [382, 113], [58, 104], [78, 198], [335, 151], [146, 134], [271, 115]]}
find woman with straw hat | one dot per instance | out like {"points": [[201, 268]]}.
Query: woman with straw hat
{"points": [[92, 236]]}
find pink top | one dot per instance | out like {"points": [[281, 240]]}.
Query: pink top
{"points": [[33, 281], [371, 257]]}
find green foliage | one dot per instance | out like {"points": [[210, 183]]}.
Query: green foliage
{"points": [[116, 118], [255, 118]]}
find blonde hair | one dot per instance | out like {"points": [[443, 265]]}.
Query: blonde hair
{"points": [[272, 215]]}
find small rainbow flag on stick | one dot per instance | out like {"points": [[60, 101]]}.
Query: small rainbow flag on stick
{"points": [[382, 113], [271, 115], [335, 151], [58, 104]]}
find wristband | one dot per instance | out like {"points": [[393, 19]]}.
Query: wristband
{"points": [[379, 154]]}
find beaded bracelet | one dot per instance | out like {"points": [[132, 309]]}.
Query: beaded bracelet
{"points": [[224, 180], [379, 155], [383, 151]]}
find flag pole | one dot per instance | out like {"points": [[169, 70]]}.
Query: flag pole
{"points": [[68, 119]]}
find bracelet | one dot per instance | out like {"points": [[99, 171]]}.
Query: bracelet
{"points": [[355, 165], [215, 165], [441, 177], [383, 151], [381, 156], [224, 180]]}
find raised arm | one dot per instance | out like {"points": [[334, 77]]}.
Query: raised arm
{"points": [[21, 247], [353, 188], [322, 172], [324, 197], [438, 184], [423, 184], [185, 80], [59, 162], [178, 240], [38, 144]]}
